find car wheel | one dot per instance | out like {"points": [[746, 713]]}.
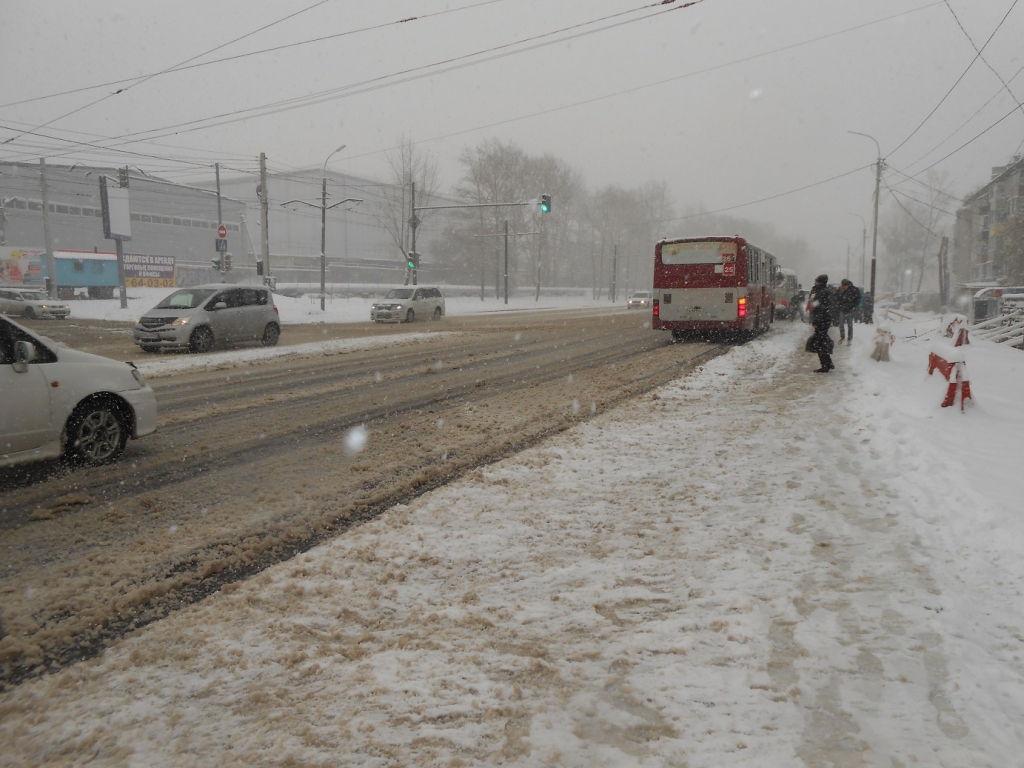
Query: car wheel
{"points": [[30, 313], [271, 334], [410, 317], [201, 340], [96, 433], [437, 314]]}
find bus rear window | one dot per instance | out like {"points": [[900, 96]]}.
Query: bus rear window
{"points": [[704, 252]]}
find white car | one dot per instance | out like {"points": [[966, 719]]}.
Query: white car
{"points": [[31, 304], [61, 402], [641, 300], [404, 305]]}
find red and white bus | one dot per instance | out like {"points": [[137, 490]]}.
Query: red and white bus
{"points": [[712, 284]]}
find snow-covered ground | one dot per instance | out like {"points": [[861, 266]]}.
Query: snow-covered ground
{"points": [[753, 566], [306, 309]]}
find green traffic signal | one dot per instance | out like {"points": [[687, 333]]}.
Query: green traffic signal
{"points": [[545, 203]]}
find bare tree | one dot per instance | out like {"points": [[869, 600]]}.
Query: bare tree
{"points": [[406, 164]]}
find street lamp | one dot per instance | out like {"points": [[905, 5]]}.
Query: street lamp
{"points": [[863, 244], [874, 221], [323, 223]]}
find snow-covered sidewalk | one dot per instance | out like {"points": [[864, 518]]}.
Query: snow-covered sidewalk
{"points": [[755, 565]]}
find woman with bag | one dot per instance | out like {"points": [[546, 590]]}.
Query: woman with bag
{"points": [[820, 304]]}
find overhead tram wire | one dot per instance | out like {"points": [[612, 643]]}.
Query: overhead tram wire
{"points": [[653, 84], [634, 89], [965, 122], [406, 76], [983, 59], [762, 199], [147, 78], [273, 49], [962, 76], [966, 143]]}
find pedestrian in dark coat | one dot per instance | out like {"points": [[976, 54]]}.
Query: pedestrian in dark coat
{"points": [[847, 299], [821, 305]]}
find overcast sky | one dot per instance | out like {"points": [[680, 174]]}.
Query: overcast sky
{"points": [[728, 101]]}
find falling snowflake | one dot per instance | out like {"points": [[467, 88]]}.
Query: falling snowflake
{"points": [[355, 439]]}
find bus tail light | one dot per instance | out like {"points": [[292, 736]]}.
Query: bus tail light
{"points": [[741, 307], [657, 309]]}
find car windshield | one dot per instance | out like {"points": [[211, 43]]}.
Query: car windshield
{"points": [[34, 296], [641, 295], [189, 298], [399, 293]]}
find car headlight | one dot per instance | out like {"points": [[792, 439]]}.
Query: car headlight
{"points": [[398, 306], [182, 320]]}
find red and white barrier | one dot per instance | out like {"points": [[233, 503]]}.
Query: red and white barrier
{"points": [[957, 328], [955, 372]]}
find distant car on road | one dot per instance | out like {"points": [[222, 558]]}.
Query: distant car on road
{"points": [[404, 305], [59, 401], [640, 300], [197, 318], [31, 303]]}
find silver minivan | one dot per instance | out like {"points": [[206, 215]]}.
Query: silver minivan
{"points": [[196, 318], [404, 305]]}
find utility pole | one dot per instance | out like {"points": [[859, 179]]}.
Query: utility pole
{"points": [[497, 274], [414, 222], [264, 224], [506, 261], [220, 223], [122, 181], [874, 223], [874, 226], [51, 260], [615, 271]]}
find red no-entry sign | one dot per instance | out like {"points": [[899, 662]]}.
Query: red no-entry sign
{"points": [[222, 231]]}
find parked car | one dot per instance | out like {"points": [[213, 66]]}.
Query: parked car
{"points": [[640, 300], [404, 305], [196, 318], [59, 401], [31, 303]]}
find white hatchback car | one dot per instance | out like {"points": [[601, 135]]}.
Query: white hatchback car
{"points": [[404, 305], [58, 401]]}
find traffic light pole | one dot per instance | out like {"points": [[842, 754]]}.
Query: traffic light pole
{"points": [[544, 203]]}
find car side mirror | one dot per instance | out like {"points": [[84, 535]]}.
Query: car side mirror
{"points": [[221, 305], [24, 353]]}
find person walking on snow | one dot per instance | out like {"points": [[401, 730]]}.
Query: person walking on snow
{"points": [[847, 300], [821, 304]]}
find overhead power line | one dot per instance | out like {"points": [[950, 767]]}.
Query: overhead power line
{"points": [[955, 84], [405, 76], [769, 197], [147, 78], [186, 66]]}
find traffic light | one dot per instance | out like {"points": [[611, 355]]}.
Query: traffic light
{"points": [[216, 263], [414, 260], [259, 267], [545, 203], [227, 261]]}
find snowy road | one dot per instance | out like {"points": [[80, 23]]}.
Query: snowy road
{"points": [[750, 566], [254, 461]]}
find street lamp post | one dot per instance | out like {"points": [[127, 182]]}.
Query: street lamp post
{"points": [[874, 220], [863, 244], [323, 223], [323, 229]]}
